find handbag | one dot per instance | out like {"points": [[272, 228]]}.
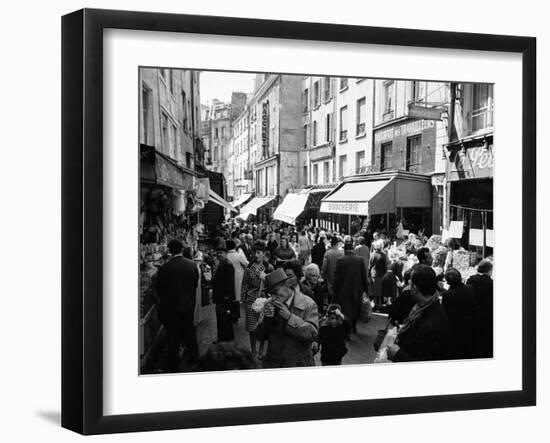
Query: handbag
{"points": [[235, 309]]}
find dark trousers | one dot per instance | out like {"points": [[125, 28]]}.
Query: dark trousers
{"points": [[224, 323], [181, 330], [335, 362]]}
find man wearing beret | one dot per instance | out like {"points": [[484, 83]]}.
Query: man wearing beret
{"points": [[290, 324]]}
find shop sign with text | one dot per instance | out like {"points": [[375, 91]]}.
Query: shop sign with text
{"points": [[353, 208], [476, 162]]}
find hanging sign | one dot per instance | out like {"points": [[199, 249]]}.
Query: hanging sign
{"points": [[456, 229]]}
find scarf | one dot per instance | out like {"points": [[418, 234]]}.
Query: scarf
{"points": [[415, 314]]}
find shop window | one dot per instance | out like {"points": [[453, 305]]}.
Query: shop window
{"points": [[482, 106], [165, 134], [146, 114], [315, 174], [342, 166], [343, 123], [314, 132], [361, 116], [413, 152], [306, 100], [343, 83], [184, 105], [328, 135], [327, 89], [386, 153], [316, 94], [419, 91], [359, 162], [388, 99]]}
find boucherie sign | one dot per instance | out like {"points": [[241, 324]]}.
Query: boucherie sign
{"points": [[353, 208], [474, 162]]}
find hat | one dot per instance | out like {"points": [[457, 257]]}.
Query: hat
{"points": [[274, 278], [484, 266]]}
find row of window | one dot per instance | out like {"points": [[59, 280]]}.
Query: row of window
{"points": [[413, 156], [412, 159], [360, 125]]}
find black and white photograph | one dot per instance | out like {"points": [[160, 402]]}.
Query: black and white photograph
{"points": [[293, 220]]}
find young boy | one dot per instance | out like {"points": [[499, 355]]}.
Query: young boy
{"points": [[335, 329]]}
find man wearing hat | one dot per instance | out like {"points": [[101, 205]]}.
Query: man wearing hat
{"points": [[329, 265], [290, 324], [482, 284], [349, 284], [223, 293]]}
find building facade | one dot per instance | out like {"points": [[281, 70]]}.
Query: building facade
{"points": [[276, 134], [242, 177], [318, 110], [469, 168], [220, 134], [354, 126], [409, 134], [169, 113]]}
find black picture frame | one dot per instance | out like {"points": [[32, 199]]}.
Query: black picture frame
{"points": [[82, 218]]}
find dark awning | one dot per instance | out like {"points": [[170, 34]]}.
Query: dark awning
{"points": [[379, 193], [158, 168]]}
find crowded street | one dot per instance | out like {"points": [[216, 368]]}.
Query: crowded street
{"points": [[295, 221]]}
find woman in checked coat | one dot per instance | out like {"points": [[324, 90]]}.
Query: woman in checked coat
{"points": [[252, 289]]}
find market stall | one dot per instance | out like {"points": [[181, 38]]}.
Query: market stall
{"points": [[387, 198]]}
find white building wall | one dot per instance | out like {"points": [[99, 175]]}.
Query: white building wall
{"points": [[354, 142]]}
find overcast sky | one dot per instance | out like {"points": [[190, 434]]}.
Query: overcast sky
{"points": [[220, 85]]}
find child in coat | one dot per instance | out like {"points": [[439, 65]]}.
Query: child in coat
{"points": [[335, 329]]}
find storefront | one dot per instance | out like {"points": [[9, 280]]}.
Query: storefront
{"points": [[168, 199], [382, 200], [167, 195], [470, 192]]}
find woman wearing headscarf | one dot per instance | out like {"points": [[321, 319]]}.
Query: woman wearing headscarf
{"points": [[377, 270], [251, 290]]}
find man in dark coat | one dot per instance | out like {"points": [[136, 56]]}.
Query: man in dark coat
{"points": [[223, 293], [318, 251], [329, 266], [458, 302], [482, 284], [425, 334], [176, 288], [350, 282]]}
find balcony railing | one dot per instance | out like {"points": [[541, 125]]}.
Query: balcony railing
{"points": [[364, 169], [360, 130], [343, 135]]}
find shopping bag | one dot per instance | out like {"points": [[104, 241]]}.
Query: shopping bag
{"points": [[366, 309]]}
